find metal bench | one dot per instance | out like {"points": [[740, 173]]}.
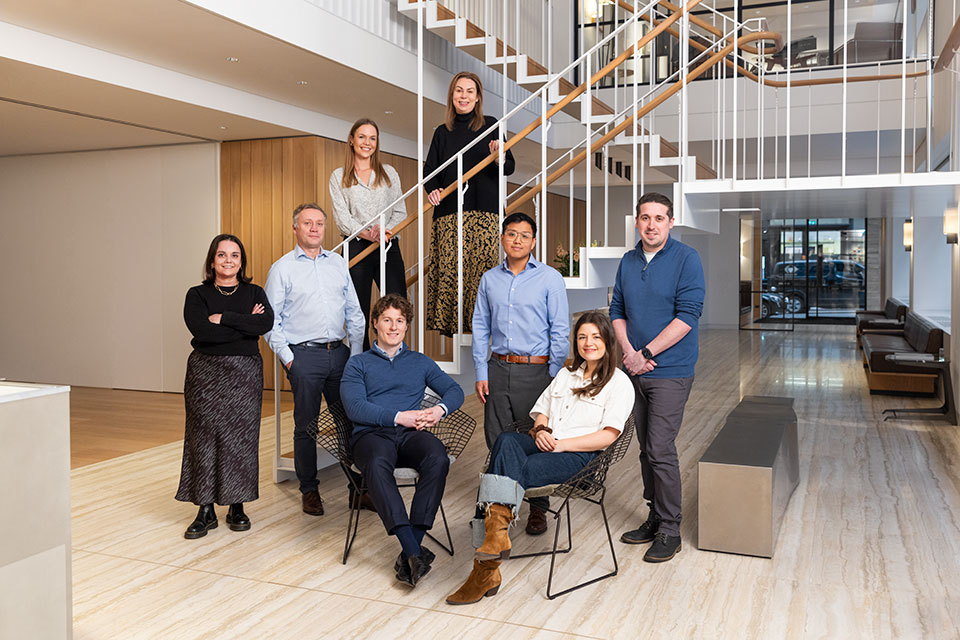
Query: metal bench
{"points": [[746, 477]]}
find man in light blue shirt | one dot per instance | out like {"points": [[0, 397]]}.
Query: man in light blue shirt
{"points": [[315, 308], [522, 314]]}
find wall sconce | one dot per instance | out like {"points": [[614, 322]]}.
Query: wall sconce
{"points": [[951, 224], [908, 234]]}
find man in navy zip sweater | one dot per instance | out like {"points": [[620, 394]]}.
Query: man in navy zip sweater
{"points": [[656, 306], [382, 389]]}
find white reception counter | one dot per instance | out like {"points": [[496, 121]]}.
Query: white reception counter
{"points": [[35, 590]]}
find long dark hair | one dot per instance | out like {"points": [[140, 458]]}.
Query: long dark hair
{"points": [[478, 121], [349, 178], [208, 275], [611, 359]]}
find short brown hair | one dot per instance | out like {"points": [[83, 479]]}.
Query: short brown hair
{"points": [[657, 198], [392, 301], [308, 205]]}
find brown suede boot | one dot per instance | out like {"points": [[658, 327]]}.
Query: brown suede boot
{"points": [[496, 543], [483, 581]]}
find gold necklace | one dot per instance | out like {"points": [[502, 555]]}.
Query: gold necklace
{"points": [[224, 293]]}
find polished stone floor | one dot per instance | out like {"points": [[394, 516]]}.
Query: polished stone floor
{"points": [[870, 546]]}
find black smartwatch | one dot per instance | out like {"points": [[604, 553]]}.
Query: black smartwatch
{"points": [[646, 353]]}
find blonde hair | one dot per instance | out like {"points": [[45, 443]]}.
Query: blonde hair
{"points": [[349, 178], [478, 121]]}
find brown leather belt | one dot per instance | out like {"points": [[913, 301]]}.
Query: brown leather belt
{"points": [[512, 358]]}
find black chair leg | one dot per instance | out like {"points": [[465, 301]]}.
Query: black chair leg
{"points": [[449, 546], [353, 521], [557, 515], [603, 512]]}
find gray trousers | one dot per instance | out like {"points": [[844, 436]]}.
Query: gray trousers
{"points": [[514, 389], [658, 413]]}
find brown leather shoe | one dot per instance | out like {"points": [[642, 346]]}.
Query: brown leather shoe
{"points": [[483, 581], [312, 503], [364, 502], [536, 522], [496, 541]]}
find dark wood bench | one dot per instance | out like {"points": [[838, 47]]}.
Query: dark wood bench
{"points": [[918, 335], [746, 477], [889, 318]]}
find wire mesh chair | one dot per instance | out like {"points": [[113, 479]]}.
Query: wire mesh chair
{"points": [[332, 430], [587, 484]]}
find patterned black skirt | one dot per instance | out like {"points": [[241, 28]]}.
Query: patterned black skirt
{"points": [[221, 446]]}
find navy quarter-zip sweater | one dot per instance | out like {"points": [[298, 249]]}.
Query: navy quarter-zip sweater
{"points": [[650, 296], [374, 388]]}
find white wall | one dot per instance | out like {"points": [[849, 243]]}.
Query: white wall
{"points": [[97, 252], [931, 269]]}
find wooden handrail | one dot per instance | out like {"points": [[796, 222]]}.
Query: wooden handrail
{"points": [[660, 26], [700, 22], [950, 48], [647, 108], [567, 99]]}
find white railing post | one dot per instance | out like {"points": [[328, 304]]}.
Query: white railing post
{"points": [[588, 216], [843, 100], [421, 325], [734, 113], [786, 170], [903, 93], [929, 144]]}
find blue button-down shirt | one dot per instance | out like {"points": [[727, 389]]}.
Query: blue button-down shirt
{"points": [[525, 314], [312, 300]]}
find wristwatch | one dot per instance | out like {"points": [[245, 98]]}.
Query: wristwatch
{"points": [[646, 353]]}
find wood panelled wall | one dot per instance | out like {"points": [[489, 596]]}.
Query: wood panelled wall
{"points": [[263, 181]]}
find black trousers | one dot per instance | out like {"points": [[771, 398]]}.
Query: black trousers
{"points": [[367, 272], [377, 452], [314, 372]]}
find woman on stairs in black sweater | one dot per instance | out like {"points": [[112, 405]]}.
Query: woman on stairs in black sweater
{"points": [[481, 246]]}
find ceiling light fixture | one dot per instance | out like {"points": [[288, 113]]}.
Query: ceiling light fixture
{"points": [[232, 59], [301, 83], [223, 127], [388, 113]]}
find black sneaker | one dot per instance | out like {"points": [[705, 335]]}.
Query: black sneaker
{"points": [[644, 533], [664, 547]]}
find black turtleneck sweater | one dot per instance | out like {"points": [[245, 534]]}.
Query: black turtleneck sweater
{"points": [[482, 195]]}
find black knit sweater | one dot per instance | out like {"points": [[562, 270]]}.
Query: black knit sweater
{"points": [[482, 194], [239, 329]]}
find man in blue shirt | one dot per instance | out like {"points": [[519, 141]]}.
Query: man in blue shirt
{"points": [[522, 314], [656, 306], [313, 298], [382, 391]]}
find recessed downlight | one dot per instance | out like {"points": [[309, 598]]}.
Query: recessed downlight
{"points": [[223, 127], [388, 113], [301, 83], [232, 59]]}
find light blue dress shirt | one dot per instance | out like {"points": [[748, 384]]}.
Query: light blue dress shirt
{"points": [[312, 300], [525, 314]]}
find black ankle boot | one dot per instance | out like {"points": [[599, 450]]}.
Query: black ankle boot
{"points": [[206, 520], [237, 520]]}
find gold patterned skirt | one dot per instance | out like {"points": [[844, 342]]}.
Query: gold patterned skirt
{"points": [[481, 251]]}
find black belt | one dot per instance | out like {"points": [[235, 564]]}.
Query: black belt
{"points": [[320, 345]]}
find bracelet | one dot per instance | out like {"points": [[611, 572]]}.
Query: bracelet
{"points": [[537, 429]]}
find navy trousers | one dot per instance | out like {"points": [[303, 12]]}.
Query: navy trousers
{"points": [[377, 452], [315, 371]]}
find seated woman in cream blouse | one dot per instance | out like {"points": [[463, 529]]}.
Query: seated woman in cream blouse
{"points": [[581, 413]]}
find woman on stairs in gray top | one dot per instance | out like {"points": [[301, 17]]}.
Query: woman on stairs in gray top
{"points": [[360, 190]]}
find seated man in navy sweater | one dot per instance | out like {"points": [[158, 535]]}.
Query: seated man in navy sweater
{"points": [[382, 389]]}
